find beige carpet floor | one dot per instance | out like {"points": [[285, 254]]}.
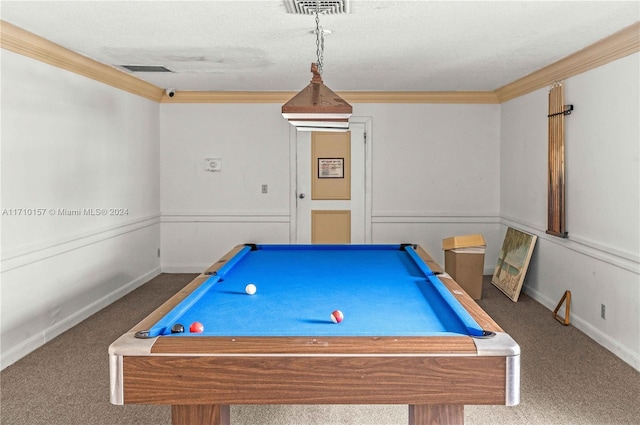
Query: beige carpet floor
{"points": [[566, 377]]}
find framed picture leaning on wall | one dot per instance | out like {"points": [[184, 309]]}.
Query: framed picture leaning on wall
{"points": [[513, 262]]}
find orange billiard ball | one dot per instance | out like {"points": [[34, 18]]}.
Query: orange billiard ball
{"points": [[337, 316]]}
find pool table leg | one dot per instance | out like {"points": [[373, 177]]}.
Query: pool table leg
{"points": [[424, 414], [200, 414]]}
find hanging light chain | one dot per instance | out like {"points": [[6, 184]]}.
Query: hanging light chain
{"points": [[319, 39]]}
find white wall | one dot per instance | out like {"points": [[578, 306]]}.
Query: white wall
{"points": [[435, 174], [71, 143], [599, 262], [204, 214]]}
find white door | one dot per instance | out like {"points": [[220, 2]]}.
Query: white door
{"points": [[357, 205]]}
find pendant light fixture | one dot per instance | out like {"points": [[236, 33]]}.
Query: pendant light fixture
{"points": [[317, 107]]}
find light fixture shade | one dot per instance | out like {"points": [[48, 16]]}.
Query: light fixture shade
{"points": [[317, 107]]}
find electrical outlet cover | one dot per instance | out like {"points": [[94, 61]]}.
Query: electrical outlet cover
{"points": [[212, 164]]}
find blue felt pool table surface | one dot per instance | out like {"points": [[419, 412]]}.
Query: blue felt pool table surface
{"points": [[382, 290]]}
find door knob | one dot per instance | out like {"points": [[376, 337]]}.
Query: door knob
{"points": [[301, 196]]}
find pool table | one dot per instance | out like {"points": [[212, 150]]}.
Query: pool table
{"points": [[410, 335]]}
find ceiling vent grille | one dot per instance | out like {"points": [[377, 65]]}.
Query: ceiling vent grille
{"points": [[327, 7], [145, 68]]}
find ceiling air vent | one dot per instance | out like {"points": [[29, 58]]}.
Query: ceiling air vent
{"points": [[145, 68], [308, 7]]}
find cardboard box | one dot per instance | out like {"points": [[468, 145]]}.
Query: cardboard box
{"points": [[467, 241], [464, 262]]}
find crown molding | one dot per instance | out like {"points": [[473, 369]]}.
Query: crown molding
{"points": [[479, 97], [618, 45], [420, 97], [183, 96], [19, 41]]}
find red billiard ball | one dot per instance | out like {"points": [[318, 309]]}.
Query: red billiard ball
{"points": [[196, 327], [337, 316]]}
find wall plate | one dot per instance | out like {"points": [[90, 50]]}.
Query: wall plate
{"points": [[212, 164]]}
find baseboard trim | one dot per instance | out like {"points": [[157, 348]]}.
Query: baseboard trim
{"points": [[184, 268], [17, 352], [624, 353]]}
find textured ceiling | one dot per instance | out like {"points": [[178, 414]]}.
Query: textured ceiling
{"points": [[379, 46]]}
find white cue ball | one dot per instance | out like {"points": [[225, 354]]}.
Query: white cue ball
{"points": [[250, 289]]}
